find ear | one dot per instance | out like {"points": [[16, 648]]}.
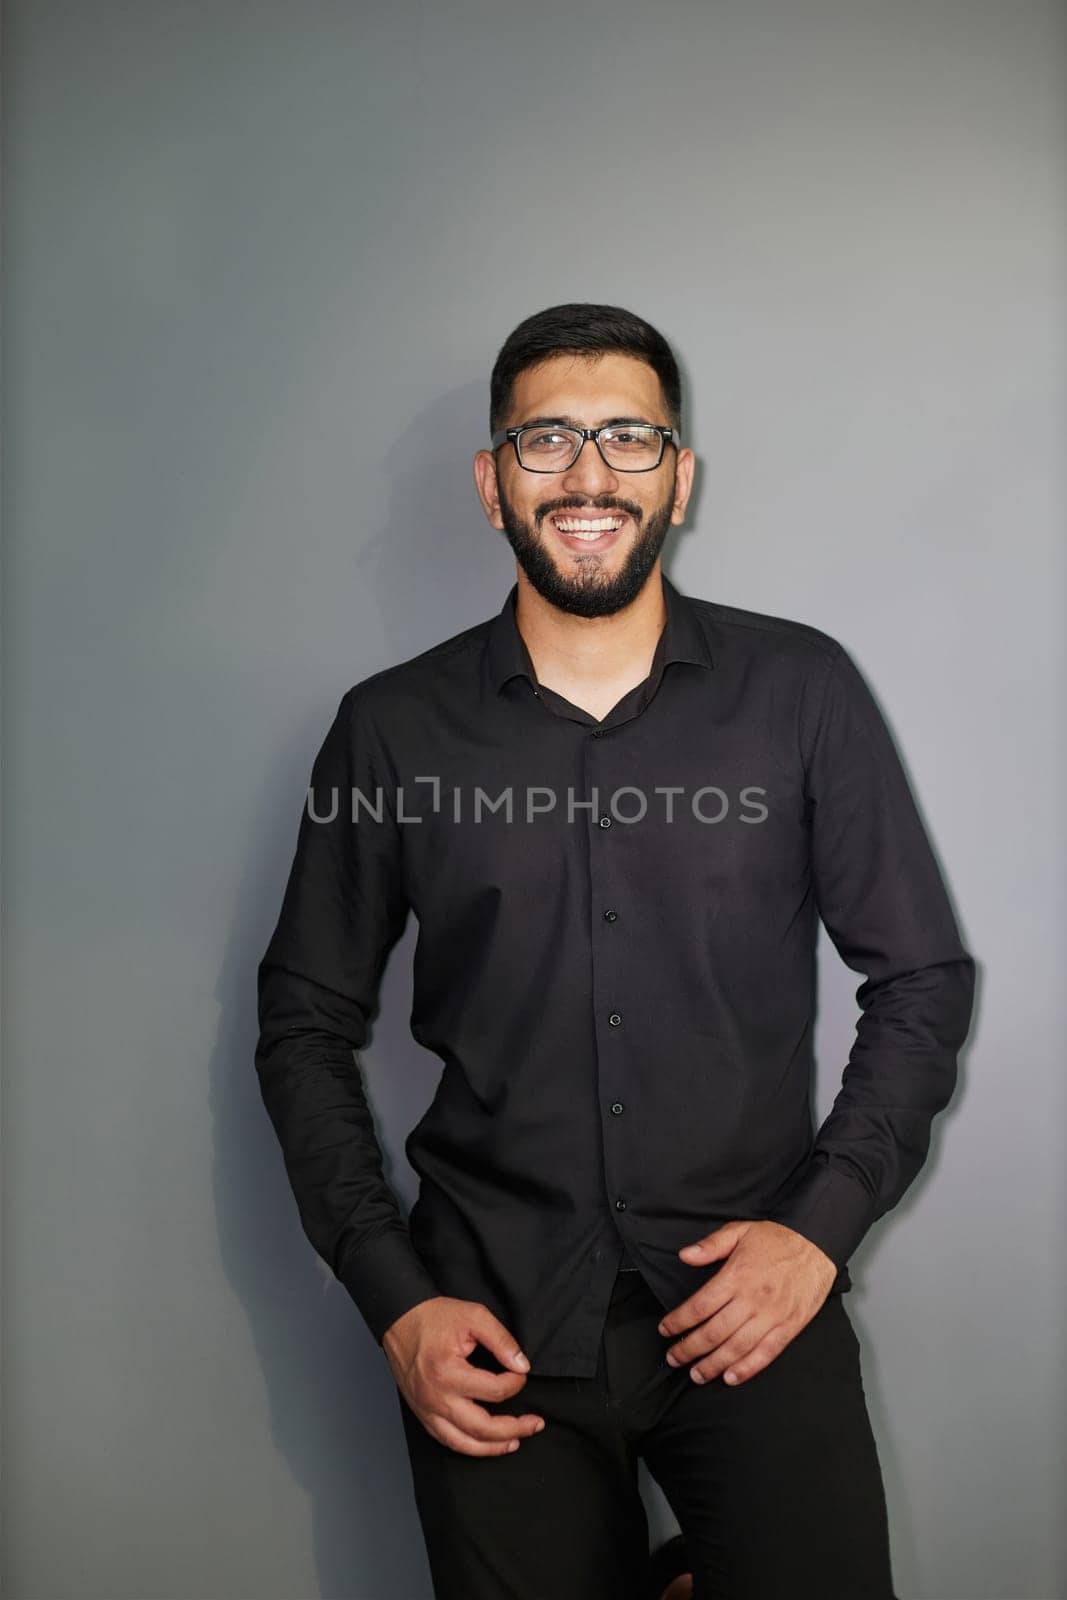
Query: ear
{"points": [[485, 481], [683, 484]]}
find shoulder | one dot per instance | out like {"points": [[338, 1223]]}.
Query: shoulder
{"points": [[418, 678], [760, 636]]}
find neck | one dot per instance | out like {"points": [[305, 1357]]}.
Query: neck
{"points": [[591, 650]]}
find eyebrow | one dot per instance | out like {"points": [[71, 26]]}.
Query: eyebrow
{"points": [[573, 422]]}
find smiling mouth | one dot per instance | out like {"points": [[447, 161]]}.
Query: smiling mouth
{"points": [[587, 530]]}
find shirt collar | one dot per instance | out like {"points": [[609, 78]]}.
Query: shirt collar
{"points": [[682, 638]]}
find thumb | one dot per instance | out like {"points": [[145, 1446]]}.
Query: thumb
{"points": [[492, 1333], [715, 1245]]}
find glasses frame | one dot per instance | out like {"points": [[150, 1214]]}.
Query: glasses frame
{"points": [[503, 435]]}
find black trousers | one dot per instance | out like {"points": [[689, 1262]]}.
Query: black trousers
{"points": [[775, 1483]]}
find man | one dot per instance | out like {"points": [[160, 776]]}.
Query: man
{"points": [[618, 814]]}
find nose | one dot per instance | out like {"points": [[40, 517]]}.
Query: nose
{"points": [[589, 473]]}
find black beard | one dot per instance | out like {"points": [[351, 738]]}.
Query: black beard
{"points": [[587, 592]]}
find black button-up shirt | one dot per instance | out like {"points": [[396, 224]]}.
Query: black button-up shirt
{"points": [[616, 964]]}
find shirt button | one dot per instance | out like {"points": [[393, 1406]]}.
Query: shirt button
{"points": [[616, 1109], [611, 916], [620, 1205], [597, 732], [614, 1019], [605, 822]]}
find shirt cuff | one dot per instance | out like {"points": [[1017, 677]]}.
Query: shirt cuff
{"points": [[828, 1207], [386, 1278]]}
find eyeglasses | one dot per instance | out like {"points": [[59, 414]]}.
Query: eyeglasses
{"points": [[625, 447]]}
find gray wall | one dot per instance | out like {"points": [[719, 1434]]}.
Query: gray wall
{"points": [[259, 260]]}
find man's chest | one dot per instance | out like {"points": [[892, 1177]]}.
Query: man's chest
{"points": [[663, 806]]}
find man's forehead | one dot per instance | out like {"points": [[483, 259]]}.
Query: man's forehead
{"points": [[612, 384]]}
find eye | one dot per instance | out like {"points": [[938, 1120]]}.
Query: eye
{"points": [[545, 439], [629, 437]]}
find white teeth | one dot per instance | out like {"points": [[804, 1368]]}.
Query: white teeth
{"points": [[587, 529]]}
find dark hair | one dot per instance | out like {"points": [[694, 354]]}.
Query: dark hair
{"points": [[582, 329]]}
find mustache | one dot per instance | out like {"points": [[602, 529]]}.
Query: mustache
{"points": [[584, 508]]}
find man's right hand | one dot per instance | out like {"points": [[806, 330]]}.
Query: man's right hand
{"points": [[427, 1350]]}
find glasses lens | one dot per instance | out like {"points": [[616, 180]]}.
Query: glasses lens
{"points": [[547, 449], [632, 448]]}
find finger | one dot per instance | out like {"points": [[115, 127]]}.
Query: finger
{"points": [[474, 1420], [491, 1332], [709, 1335], [754, 1336], [448, 1434], [710, 1300], [700, 1306], [769, 1349], [713, 1246], [477, 1384]]}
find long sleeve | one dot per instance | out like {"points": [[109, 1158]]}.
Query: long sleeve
{"points": [[343, 910], [882, 899]]}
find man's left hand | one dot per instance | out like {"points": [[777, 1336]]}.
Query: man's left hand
{"points": [[736, 1323]]}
